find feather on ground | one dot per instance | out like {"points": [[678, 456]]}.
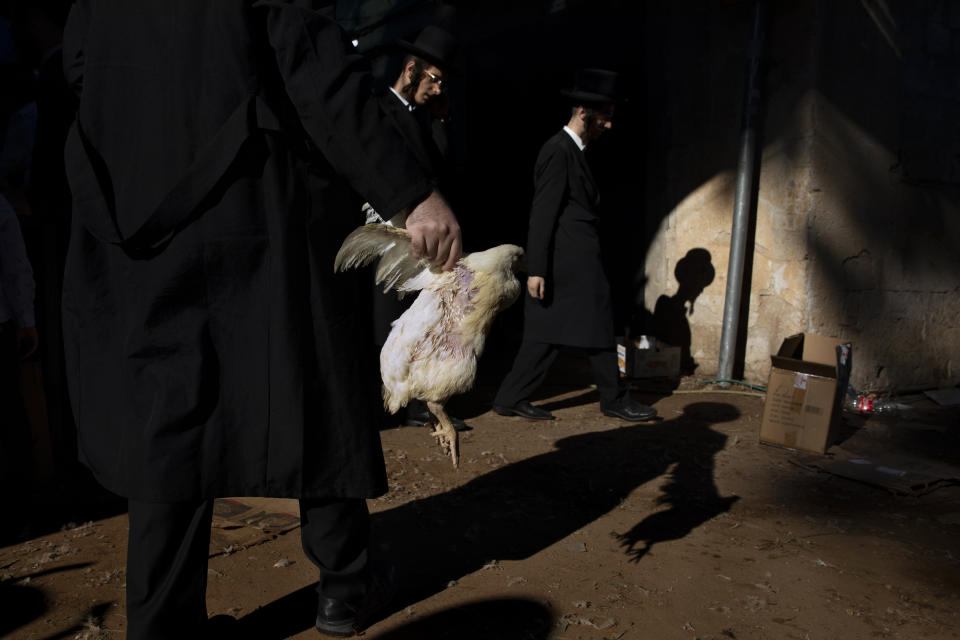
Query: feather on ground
{"points": [[432, 350]]}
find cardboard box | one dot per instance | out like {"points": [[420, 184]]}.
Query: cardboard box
{"points": [[807, 378], [648, 358]]}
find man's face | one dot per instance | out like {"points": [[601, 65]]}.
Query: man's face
{"points": [[598, 120], [431, 85]]}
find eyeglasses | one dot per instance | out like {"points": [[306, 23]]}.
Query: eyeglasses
{"points": [[437, 80]]}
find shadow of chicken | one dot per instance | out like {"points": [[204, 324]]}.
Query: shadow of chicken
{"points": [[432, 350]]}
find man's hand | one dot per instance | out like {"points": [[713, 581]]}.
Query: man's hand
{"points": [[434, 232], [27, 341], [535, 286]]}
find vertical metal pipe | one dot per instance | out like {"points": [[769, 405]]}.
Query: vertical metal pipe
{"points": [[743, 197]]}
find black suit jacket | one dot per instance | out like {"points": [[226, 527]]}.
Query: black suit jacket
{"points": [[211, 349], [417, 130], [563, 247]]}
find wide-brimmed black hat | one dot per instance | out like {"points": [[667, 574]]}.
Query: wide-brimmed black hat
{"points": [[595, 86], [434, 44]]}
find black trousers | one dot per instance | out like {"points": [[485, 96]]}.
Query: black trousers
{"points": [[167, 551], [532, 364]]}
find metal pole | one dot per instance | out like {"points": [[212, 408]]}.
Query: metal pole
{"points": [[743, 197]]}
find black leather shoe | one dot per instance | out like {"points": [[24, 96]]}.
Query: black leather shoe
{"points": [[525, 410], [628, 409], [336, 617], [341, 619], [420, 416], [460, 425]]}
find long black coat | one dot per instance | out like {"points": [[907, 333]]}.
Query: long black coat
{"points": [[211, 349], [563, 247]]}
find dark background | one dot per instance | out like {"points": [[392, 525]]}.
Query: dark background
{"points": [[514, 59], [891, 68]]}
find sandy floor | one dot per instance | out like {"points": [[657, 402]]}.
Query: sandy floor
{"points": [[586, 527]]}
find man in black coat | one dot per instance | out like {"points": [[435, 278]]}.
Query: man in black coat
{"points": [[569, 301], [416, 104], [211, 350], [38, 27]]}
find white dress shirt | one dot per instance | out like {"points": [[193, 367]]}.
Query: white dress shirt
{"points": [[575, 137], [407, 104]]}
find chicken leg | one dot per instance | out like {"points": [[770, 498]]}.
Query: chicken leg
{"points": [[444, 432]]}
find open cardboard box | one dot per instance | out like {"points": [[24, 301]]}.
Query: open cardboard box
{"points": [[647, 358], [808, 376]]}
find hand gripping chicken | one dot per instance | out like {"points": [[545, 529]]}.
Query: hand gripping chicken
{"points": [[432, 350]]}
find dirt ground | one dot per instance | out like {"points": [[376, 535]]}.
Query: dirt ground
{"points": [[583, 528]]}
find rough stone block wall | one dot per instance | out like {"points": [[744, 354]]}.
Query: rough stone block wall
{"points": [[858, 209], [885, 224], [701, 213]]}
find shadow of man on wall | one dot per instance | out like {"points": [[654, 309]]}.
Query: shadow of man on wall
{"points": [[694, 273]]}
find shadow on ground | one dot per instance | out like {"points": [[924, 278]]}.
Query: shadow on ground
{"points": [[74, 497], [87, 625], [521, 509], [570, 372], [507, 618], [23, 602], [502, 618]]}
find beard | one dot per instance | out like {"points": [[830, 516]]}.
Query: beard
{"points": [[593, 128]]}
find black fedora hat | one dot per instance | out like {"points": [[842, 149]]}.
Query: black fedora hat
{"points": [[594, 86], [434, 44]]}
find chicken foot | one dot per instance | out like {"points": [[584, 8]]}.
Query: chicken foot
{"points": [[444, 432]]}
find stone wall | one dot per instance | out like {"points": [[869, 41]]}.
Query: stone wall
{"points": [[885, 223], [857, 220]]}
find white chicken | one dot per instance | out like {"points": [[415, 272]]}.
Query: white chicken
{"points": [[432, 350]]}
